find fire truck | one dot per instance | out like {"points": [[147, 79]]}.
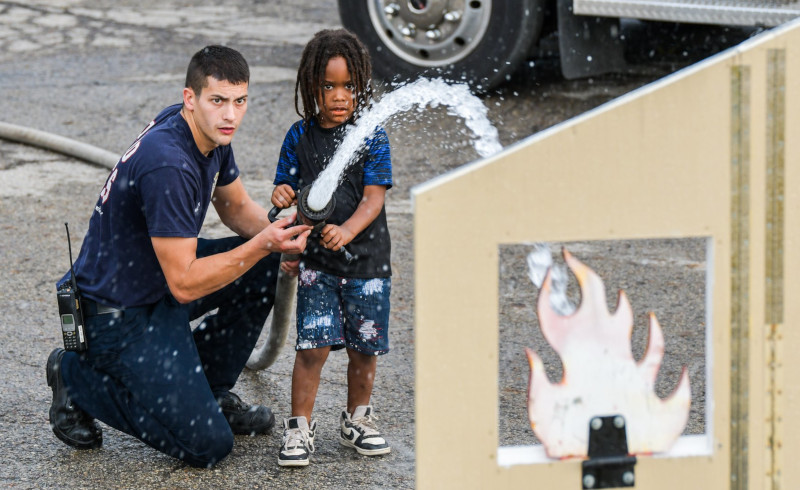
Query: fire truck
{"points": [[483, 41]]}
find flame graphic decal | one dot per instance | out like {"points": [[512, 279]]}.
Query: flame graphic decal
{"points": [[600, 375]]}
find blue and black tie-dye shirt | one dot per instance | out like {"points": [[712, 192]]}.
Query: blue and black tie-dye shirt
{"points": [[377, 168]]}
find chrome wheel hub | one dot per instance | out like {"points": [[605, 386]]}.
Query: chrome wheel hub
{"points": [[430, 33]]}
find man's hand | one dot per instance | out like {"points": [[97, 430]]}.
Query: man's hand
{"points": [[283, 196], [280, 236]]}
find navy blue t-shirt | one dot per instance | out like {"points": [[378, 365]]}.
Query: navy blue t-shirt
{"points": [[161, 187]]}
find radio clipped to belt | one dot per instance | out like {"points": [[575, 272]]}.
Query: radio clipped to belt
{"points": [[69, 309]]}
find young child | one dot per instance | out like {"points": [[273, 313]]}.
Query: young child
{"points": [[341, 303]]}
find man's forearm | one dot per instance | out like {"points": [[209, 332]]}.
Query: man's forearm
{"points": [[246, 220], [209, 274]]}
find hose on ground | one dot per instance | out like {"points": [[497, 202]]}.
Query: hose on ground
{"points": [[59, 144], [285, 292]]}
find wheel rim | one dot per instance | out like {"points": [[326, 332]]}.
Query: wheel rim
{"points": [[430, 32]]}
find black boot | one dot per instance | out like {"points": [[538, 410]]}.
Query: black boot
{"points": [[69, 423], [245, 419]]}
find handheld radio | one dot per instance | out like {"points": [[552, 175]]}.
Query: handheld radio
{"points": [[69, 309]]}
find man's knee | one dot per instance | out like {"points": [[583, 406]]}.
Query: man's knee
{"points": [[208, 448]]}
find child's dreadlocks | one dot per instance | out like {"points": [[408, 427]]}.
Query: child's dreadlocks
{"points": [[327, 44]]}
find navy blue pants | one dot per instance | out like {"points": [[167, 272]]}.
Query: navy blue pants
{"points": [[148, 374]]}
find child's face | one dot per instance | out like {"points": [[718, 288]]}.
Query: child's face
{"points": [[336, 96]]}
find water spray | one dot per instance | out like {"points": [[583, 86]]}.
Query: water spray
{"points": [[424, 92]]}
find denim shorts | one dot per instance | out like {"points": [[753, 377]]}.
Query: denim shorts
{"points": [[343, 312]]}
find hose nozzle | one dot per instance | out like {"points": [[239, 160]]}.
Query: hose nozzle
{"points": [[311, 217], [307, 216]]}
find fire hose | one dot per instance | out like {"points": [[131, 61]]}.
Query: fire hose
{"points": [[287, 285]]}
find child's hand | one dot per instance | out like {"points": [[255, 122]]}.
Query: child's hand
{"points": [[335, 237], [283, 196]]}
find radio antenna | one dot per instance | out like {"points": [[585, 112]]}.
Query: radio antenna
{"points": [[71, 268]]}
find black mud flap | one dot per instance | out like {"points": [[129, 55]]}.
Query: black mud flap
{"points": [[588, 46]]}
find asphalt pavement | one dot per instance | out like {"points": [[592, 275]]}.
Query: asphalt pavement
{"points": [[97, 72]]}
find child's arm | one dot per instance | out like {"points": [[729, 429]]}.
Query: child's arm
{"points": [[286, 173], [335, 237], [283, 196]]}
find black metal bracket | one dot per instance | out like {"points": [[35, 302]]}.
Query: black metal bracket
{"points": [[609, 464]]}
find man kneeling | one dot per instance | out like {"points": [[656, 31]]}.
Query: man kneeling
{"points": [[143, 275]]}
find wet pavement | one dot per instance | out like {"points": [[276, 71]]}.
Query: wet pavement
{"points": [[97, 72]]}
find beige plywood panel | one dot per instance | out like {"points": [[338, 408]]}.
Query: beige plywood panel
{"points": [[656, 163], [780, 471]]}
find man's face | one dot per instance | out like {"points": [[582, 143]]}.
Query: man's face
{"points": [[217, 112]]}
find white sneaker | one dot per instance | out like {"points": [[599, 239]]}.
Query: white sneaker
{"points": [[298, 441], [361, 433]]}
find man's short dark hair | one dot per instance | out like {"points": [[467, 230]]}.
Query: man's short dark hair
{"points": [[222, 63]]}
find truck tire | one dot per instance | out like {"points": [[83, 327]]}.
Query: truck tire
{"points": [[480, 42]]}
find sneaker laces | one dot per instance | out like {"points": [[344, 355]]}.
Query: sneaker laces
{"points": [[367, 422], [294, 438]]}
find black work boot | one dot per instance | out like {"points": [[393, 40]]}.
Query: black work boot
{"points": [[69, 423], [245, 419]]}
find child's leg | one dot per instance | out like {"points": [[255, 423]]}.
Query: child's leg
{"points": [[366, 312], [360, 378], [358, 428], [299, 430], [318, 328], [305, 379]]}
